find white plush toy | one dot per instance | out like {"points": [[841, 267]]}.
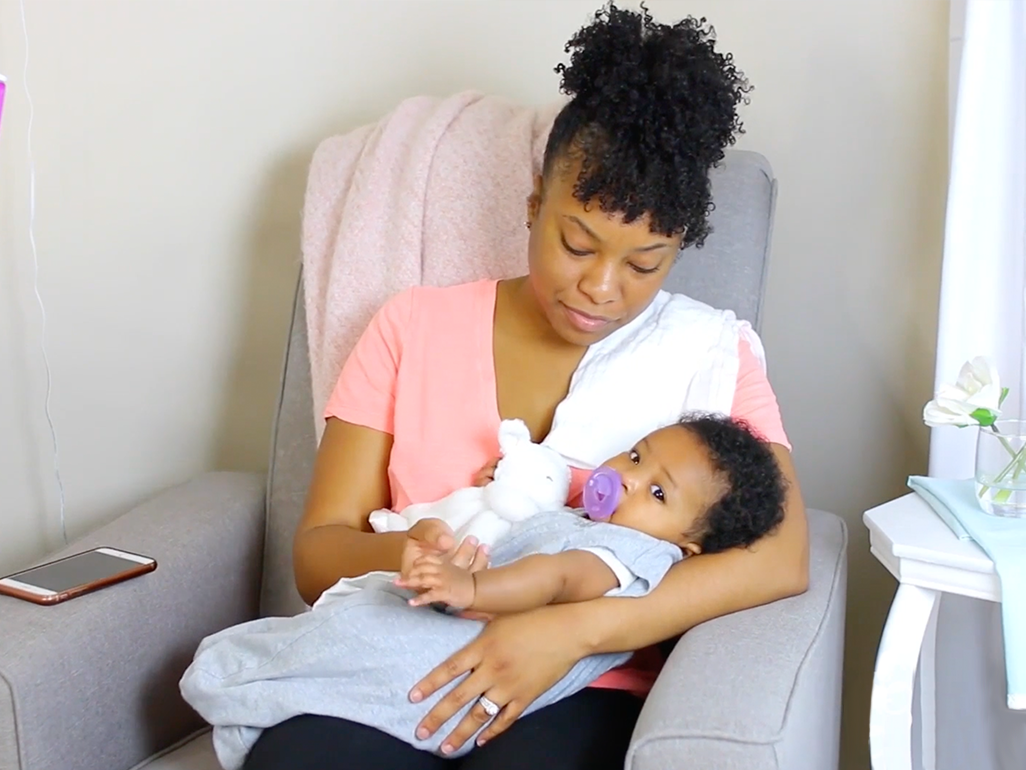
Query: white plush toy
{"points": [[529, 478]]}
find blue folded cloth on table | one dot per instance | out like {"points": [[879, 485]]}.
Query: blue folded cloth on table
{"points": [[1004, 541]]}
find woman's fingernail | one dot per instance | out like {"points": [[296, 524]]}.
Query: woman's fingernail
{"points": [[422, 733], [472, 540], [482, 741], [446, 748], [416, 697]]}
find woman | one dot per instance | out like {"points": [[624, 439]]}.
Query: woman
{"points": [[624, 186]]}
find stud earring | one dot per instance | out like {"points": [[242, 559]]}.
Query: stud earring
{"points": [[527, 224]]}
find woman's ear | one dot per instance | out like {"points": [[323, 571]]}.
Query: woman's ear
{"points": [[534, 199]]}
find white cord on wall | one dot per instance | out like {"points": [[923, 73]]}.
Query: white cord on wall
{"points": [[35, 279]]}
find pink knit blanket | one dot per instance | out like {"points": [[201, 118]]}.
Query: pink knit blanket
{"points": [[435, 193]]}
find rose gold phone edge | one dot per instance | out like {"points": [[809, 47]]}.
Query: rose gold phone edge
{"points": [[32, 593]]}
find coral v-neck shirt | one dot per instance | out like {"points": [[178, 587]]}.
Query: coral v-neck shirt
{"points": [[424, 372]]}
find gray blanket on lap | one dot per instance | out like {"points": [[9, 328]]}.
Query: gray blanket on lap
{"points": [[358, 653]]}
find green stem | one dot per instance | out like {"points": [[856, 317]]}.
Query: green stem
{"points": [[1017, 464], [1003, 440]]}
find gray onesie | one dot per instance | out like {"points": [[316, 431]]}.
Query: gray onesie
{"points": [[359, 651]]}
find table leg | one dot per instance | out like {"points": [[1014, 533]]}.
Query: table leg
{"points": [[928, 693], [890, 712]]}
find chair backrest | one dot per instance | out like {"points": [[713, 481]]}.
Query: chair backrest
{"points": [[729, 271]]}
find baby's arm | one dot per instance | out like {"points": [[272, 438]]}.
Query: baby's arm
{"points": [[533, 581]]}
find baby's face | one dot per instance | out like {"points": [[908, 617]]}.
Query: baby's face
{"points": [[669, 483]]}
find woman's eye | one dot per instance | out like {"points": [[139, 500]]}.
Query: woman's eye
{"points": [[643, 270], [572, 250], [634, 457], [658, 494]]}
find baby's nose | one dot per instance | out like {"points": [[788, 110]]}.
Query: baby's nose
{"points": [[630, 481]]}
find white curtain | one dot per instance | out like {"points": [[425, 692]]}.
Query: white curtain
{"points": [[982, 312]]}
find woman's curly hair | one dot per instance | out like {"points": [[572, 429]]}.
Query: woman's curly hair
{"points": [[753, 503], [653, 107]]}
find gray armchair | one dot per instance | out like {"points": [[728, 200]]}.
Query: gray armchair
{"points": [[93, 684]]}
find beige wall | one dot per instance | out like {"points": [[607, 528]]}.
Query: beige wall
{"points": [[171, 140]]}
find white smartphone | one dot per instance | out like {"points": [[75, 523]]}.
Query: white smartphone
{"points": [[63, 579]]}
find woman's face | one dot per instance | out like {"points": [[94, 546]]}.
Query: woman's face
{"points": [[590, 272]]}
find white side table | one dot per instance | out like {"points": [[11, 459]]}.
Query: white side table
{"points": [[919, 549]]}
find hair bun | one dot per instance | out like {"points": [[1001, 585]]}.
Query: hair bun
{"points": [[655, 106], [627, 62], [607, 58]]}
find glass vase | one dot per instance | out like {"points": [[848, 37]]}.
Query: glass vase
{"points": [[1001, 468]]}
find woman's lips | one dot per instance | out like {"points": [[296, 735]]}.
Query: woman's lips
{"points": [[585, 322]]}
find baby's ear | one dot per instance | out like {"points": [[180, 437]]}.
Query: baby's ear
{"points": [[511, 433], [691, 549]]}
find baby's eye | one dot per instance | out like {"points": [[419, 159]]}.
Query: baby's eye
{"points": [[658, 494], [634, 457]]}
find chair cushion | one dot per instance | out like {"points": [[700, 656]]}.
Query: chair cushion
{"points": [[196, 753]]}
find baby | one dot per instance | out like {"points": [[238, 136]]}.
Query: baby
{"points": [[705, 484]]}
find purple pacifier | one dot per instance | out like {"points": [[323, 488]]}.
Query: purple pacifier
{"points": [[602, 493]]}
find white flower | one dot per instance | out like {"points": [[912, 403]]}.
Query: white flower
{"points": [[979, 379], [974, 399], [947, 411]]}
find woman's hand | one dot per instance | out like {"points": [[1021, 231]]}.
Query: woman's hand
{"points": [[512, 661], [433, 537], [428, 537], [486, 475]]}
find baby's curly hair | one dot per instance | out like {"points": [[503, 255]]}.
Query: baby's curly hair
{"points": [[753, 503], [653, 107]]}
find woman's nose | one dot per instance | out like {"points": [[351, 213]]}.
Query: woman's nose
{"points": [[599, 281]]}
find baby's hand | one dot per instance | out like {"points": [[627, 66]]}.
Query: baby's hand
{"points": [[433, 537], [438, 580], [428, 537]]}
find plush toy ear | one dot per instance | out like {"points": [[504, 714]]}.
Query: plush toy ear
{"points": [[511, 433]]}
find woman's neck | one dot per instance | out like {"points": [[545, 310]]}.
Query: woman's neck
{"points": [[518, 313]]}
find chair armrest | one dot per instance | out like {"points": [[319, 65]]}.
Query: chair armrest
{"points": [[93, 682], [759, 689]]}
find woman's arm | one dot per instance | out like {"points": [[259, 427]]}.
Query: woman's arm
{"points": [[527, 583], [333, 539], [517, 657]]}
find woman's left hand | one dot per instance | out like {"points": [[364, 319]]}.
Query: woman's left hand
{"points": [[512, 661], [486, 475]]}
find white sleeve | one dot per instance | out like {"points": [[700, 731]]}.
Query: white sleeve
{"points": [[623, 575]]}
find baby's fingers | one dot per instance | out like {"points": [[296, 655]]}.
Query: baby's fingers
{"points": [[415, 583], [423, 580], [427, 560], [429, 597], [424, 571]]}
